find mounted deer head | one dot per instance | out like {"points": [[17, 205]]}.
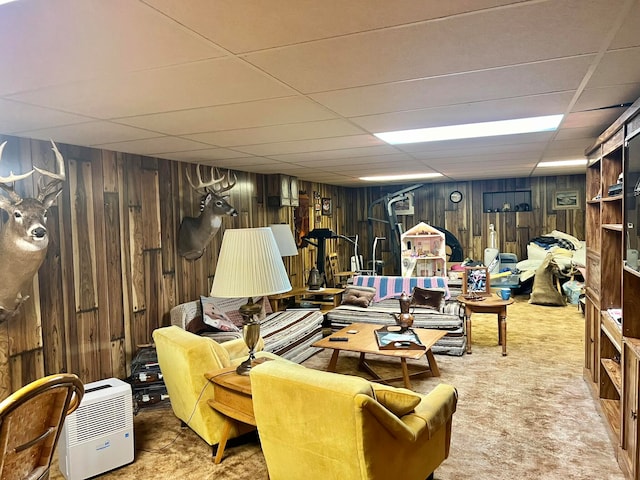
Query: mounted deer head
{"points": [[24, 237], [196, 232]]}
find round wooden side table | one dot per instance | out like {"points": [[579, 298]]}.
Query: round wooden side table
{"points": [[488, 304]]}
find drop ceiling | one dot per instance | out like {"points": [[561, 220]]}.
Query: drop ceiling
{"points": [[299, 87]]}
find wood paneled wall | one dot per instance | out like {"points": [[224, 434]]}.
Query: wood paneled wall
{"points": [[467, 220], [112, 272]]}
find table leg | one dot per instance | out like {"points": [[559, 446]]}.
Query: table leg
{"points": [[226, 430], [433, 366], [468, 320], [334, 361], [499, 330], [405, 373], [503, 333]]}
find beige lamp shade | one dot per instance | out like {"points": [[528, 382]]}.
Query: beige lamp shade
{"points": [[284, 239], [249, 265]]}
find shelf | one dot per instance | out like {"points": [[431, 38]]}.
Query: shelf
{"points": [[615, 198], [611, 410], [631, 271], [612, 329], [614, 372], [507, 202]]}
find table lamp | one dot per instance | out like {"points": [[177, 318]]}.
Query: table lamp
{"points": [[249, 265], [284, 239]]}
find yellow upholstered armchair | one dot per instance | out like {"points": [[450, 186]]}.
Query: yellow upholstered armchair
{"points": [[320, 425], [184, 358]]}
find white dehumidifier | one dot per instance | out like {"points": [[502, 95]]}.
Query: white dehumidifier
{"points": [[98, 436]]}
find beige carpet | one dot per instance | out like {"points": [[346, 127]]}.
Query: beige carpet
{"points": [[528, 415]]}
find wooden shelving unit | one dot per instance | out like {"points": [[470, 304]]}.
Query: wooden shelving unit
{"points": [[612, 348]]}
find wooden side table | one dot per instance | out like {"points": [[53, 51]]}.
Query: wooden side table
{"points": [[232, 398], [278, 302], [490, 304]]}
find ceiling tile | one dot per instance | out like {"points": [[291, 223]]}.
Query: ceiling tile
{"points": [[320, 144], [153, 146], [232, 117], [47, 43], [205, 155], [341, 153], [605, 97], [550, 104], [90, 133], [629, 34], [516, 81], [181, 87], [364, 160], [278, 133], [282, 22], [18, 117], [489, 39]]}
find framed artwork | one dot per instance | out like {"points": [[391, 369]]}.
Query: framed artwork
{"points": [[326, 206], [566, 199], [404, 206], [476, 282]]}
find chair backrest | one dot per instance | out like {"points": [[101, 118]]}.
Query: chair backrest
{"points": [[333, 268], [31, 420], [311, 416]]}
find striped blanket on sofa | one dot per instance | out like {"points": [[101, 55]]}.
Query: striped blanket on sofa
{"points": [[449, 318], [392, 287]]}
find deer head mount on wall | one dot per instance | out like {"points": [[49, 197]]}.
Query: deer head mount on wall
{"points": [[24, 238], [196, 232]]}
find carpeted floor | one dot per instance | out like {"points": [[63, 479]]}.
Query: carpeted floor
{"points": [[528, 415]]}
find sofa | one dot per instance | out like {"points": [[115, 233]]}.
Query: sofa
{"points": [[319, 425], [449, 316], [288, 334]]}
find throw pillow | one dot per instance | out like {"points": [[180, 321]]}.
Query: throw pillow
{"points": [[358, 296], [397, 401], [198, 327], [427, 298], [230, 307], [216, 318]]}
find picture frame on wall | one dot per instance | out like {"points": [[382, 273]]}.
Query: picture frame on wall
{"points": [[476, 282], [326, 206], [566, 199], [404, 206]]}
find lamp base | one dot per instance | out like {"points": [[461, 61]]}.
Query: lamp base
{"points": [[245, 367], [251, 335]]}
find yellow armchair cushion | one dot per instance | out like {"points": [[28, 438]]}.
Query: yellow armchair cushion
{"points": [[398, 401]]}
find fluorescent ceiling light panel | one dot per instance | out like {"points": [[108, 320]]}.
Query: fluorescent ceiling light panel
{"points": [[408, 176], [472, 130], [564, 163], [2, 2]]}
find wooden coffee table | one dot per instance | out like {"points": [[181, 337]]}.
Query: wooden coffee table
{"points": [[232, 398], [364, 342], [490, 304]]}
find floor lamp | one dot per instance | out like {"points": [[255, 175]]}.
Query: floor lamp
{"points": [[249, 265]]}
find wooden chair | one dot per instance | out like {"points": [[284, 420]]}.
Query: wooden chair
{"points": [[31, 421], [337, 275]]}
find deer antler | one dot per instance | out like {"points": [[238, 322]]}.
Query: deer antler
{"points": [[11, 179], [229, 184], [58, 178], [201, 187]]}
